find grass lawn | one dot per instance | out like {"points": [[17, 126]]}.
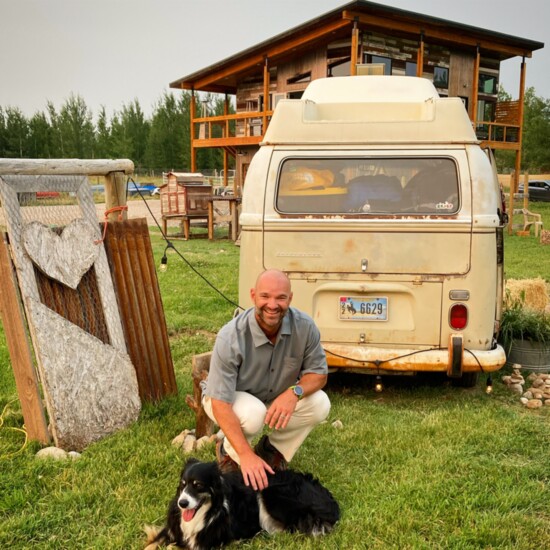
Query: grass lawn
{"points": [[421, 465]]}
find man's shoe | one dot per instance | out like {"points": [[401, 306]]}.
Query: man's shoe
{"points": [[225, 463], [267, 452]]}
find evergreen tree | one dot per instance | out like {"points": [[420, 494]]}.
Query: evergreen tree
{"points": [[16, 131], [40, 137], [135, 130], [103, 141], [58, 145], [121, 143], [76, 126], [168, 140]]}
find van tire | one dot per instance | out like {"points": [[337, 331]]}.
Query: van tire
{"points": [[467, 380]]}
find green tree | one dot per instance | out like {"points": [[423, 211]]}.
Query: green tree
{"points": [[121, 142], [168, 140], [103, 140], [40, 137], [135, 129], [16, 133], [76, 127], [57, 141], [3, 136], [536, 133]]}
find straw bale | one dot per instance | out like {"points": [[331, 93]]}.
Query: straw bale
{"points": [[533, 292], [545, 236]]}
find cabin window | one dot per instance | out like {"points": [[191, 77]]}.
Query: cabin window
{"points": [[368, 186], [441, 77], [410, 68], [487, 84]]}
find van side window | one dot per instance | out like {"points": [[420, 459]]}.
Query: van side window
{"points": [[369, 186]]}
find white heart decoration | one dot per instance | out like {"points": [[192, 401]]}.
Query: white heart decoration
{"points": [[66, 257]]}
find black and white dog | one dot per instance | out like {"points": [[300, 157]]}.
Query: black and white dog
{"points": [[211, 509]]}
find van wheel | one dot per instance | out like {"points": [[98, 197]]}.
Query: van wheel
{"points": [[467, 380]]}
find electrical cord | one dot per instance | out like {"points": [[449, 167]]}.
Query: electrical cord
{"points": [[170, 245], [378, 362], [14, 429]]}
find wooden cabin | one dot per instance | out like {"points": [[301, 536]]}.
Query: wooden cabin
{"points": [[361, 37]]}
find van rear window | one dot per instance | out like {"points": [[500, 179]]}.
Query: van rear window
{"points": [[368, 186]]}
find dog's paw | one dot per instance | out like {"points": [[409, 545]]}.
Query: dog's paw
{"points": [[152, 533]]}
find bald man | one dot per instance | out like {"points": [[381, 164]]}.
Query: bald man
{"points": [[267, 369]]}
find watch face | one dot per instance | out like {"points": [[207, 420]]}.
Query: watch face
{"points": [[299, 391]]}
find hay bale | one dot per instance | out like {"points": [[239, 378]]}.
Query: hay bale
{"points": [[531, 292], [545, 236]]}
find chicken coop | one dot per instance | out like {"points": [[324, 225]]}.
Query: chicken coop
{"points": [[185, 197]]}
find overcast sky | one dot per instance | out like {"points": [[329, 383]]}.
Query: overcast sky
{"points": [[112, 51]]}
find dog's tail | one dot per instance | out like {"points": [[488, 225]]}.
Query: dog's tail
{"points": [[155, 536]]}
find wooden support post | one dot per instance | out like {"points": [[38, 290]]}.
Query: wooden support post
{"points": [[266, 96], [521, 101], [115, 195], [26, 380], [225, 154], [201, 365], [192, 127], [473, 103], [420, 57], [354, 49], [513, 188]]}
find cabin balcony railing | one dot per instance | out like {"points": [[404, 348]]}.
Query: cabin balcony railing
{"points": [[503, 132], [232, 130]]}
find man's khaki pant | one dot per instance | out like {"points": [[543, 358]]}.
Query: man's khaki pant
{"points": [[310, 411]]}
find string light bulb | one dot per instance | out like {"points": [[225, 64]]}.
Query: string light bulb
{"points": [[163, 263], [378, 386], [489, 388]]}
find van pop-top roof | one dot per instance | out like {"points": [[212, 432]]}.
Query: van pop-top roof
{"points": [[370, 109]]}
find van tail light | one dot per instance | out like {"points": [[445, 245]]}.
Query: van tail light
{"points": [[458, 316]]}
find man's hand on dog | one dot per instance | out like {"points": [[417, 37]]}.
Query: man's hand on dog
{"points": [[255, 470]]}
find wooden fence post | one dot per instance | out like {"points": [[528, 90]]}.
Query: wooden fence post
{"points": [[201, 365], [26, 380]]}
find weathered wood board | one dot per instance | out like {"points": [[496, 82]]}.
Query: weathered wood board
{"points": [[91, 386]]}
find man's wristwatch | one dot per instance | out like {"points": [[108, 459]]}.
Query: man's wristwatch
{"points": [[298, 391]]}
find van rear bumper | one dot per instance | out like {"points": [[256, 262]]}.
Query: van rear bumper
{"points": [[374, 360]]}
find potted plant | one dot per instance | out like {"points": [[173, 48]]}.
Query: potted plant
{"points": [[525, 335]]}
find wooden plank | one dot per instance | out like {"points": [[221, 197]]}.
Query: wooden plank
{"points": [[130, 254], [26, 380], [65, 167]]}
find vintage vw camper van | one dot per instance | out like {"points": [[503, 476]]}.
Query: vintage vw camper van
{"points": [[373, 195]]}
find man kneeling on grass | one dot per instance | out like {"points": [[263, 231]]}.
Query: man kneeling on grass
{"points": [[267, 368]]}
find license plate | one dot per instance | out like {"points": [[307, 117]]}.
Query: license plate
{"points": [[356, 308]]}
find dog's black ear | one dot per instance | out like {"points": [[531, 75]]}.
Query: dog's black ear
{"points": [[190, 462]]}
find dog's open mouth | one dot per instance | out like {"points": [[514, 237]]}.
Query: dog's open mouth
{"points": [[188, 514]]}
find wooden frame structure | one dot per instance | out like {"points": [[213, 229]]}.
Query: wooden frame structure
{"points": [[340, 41], [127, 257]]}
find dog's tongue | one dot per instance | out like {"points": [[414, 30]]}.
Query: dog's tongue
{"points": [[188, 514]]}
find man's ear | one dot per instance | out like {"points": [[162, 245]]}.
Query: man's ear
{"points": [[290, 297], [253, 294]]}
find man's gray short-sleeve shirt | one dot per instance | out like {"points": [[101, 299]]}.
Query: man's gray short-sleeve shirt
{"points": [[245, 360]]}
